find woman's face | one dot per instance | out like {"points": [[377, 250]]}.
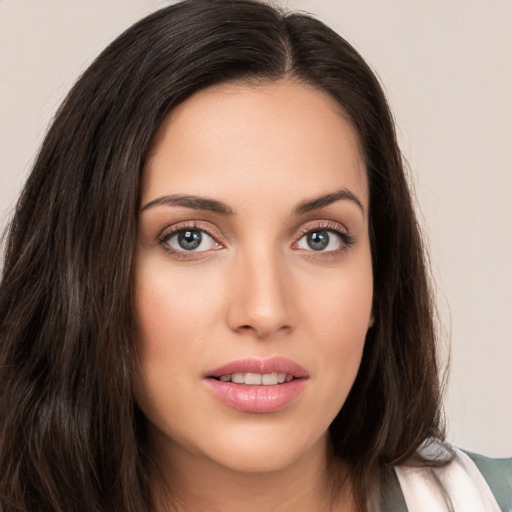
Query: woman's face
{"points": [[253, 267]]}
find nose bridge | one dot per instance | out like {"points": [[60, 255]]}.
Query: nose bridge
{"points": [[260, 292]]}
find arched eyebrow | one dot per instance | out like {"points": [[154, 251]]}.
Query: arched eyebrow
{"points": [[194, 202], [327, 199], [215, 206]]}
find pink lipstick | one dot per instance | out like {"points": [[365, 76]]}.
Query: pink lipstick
{"points": [[258, 385]]}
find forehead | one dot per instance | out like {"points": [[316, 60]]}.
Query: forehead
{"points": [[255, 138]]}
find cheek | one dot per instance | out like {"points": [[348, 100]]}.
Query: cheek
{"points": [[338, 316], [174, 312], [173, 322], [338, 306]]}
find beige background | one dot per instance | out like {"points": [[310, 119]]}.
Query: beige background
{"points": [[445, 67]]}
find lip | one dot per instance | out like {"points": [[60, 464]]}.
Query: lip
{"points": [[255, 365], [259, 399]]}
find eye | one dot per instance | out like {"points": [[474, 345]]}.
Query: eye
{"points": [[319, 241], [324, 240], [189, 240]]}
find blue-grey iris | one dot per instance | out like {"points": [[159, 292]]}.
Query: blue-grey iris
{"points": [[318, 240], [189, 240]]}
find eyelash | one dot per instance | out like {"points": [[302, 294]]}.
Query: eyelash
{"points": [[347, 240], [167, 234]]}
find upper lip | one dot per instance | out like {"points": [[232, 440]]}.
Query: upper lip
{"points": [[263, 366]]}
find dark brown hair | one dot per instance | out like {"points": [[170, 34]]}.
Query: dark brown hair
{"points": [[71, 436]]}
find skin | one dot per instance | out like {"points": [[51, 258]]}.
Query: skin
{"points": [[256, 288]]}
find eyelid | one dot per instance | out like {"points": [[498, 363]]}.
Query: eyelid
{"points": [[347, 240], [327, 225], [196, 225]]}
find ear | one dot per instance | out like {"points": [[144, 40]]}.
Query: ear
{"points": [[371, 321]]}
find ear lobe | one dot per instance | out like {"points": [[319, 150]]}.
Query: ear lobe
{"points": [[371, 321]]}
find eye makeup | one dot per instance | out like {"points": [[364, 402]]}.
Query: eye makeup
{"points": [[188, 227], [187, 240], [324, 231]]}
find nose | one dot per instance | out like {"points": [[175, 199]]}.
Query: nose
{"points": [[260, 297]]}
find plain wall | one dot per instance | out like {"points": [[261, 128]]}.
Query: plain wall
{"points": [[446, 69]]}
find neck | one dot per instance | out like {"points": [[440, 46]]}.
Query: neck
{"points": [[316, 481]]}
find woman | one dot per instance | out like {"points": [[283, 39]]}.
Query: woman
{"points": [[214, 292]]}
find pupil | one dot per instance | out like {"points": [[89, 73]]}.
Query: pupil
{"points": [[318, 240], [189, 240]]}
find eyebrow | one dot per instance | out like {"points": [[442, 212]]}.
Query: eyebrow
{"points": [[195, 202], [325, 200], [215, 206]]}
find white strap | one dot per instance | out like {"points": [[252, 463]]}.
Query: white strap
{"points": [[456, 487]]}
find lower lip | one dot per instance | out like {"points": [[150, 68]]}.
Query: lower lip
{"points": [[257, 399]]}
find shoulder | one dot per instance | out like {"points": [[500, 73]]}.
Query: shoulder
{"points": [[498, 475], [468, 482]]}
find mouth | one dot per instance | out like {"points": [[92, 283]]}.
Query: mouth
{"points": [[258, 385], [255, 371], [257, 379]]}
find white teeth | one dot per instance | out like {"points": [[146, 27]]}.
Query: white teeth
{"points": [[253, 378], [238, 378], [257, 379], [269, 379]]}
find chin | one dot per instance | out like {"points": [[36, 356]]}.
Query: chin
{"points": [[265, 451], [257, 461]]}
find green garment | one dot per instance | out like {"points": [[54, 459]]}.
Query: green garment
{"points": [[497, 473]]}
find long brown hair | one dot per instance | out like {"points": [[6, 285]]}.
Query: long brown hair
{"points": [[71, 436]]}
